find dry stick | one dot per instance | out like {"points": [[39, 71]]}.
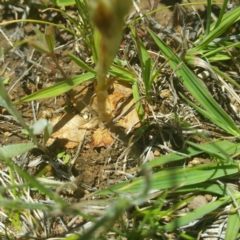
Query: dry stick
{"points": [[54, 58], [106, 55]]}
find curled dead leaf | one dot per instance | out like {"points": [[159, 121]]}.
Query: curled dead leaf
{"points": [[102, 138]]}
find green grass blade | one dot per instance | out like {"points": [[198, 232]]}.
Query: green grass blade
{"points": [[63, 3], [81, 64], [213, 118], [217, 53], [195, 87], [209, 9], [47, 133], [39, 46], [50, 38], [213, 147], [14, 150], [227, 21], [176, 177], [22, 205], [6, 102], [34, 183], [142, 51], [218, 152], [149, 71], [96, 43], [126, 75], [122, 73], [233, 222], [139, 106], [39, 22], [223, 9], [207, 187], [226, 77], [72, 237], [173, 157], [147, 74], [196, 214], [58, 88], [40, 35]]}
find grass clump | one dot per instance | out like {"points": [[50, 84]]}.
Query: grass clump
{"points": [[159, 199]]}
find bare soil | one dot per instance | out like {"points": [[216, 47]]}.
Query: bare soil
{"points": [[93, 166]]}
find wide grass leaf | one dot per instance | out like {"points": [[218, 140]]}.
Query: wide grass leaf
{"points": [[14, 150], [176, 177]]}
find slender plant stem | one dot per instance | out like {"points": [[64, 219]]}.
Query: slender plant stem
{"points": [[58, 66], [221, 13]]}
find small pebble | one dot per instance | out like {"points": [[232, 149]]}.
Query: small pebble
{"points": [[197, 202]]}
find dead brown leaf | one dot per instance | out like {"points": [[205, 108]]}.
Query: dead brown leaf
{"points": [[102, 138], [69, 129], [118, 101]]}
